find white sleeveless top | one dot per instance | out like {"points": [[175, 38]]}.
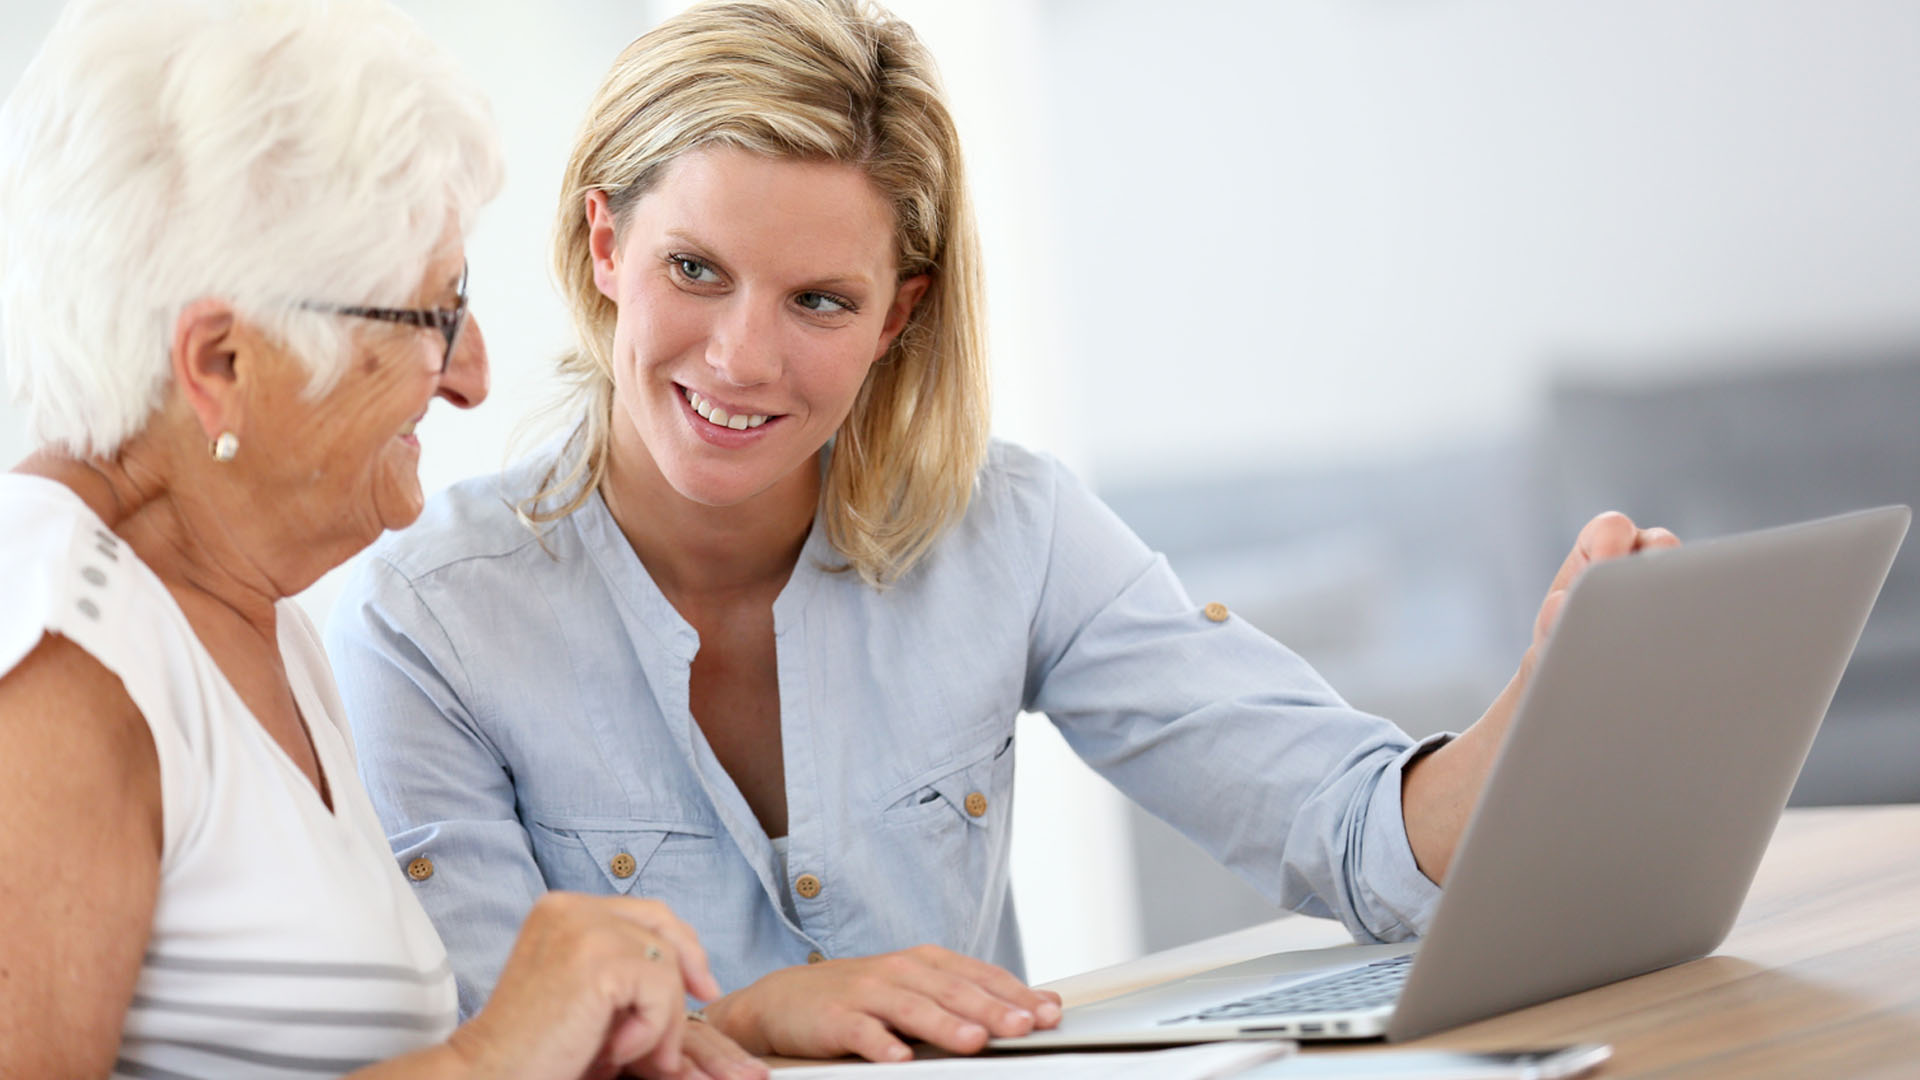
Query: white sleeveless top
{"points": [[286, 940]]}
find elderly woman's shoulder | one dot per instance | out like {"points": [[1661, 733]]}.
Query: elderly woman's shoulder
{"points": [[63, 573], [58, 563]]}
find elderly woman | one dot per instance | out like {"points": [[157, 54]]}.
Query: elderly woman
{"points": [[761, 651], [233, 282]]}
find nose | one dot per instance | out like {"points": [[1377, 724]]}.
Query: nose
{"points": [[464, 383], [744, 348]]}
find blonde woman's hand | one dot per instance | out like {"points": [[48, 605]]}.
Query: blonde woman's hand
{"points": [[1611, 535], [597, 985], [1438, 791], [862, 1006]]}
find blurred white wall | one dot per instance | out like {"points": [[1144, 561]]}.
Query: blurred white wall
{"points": [[1347, 228], [22, 24], [1231, 231]]}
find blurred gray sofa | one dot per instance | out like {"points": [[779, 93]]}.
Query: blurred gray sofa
{"points": [[1412, 587]]}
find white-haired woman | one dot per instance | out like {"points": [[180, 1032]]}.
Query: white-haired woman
{"points": [[234, 280], [763, 651]]}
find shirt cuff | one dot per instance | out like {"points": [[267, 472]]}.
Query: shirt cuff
{"points": [[1398, 895]]}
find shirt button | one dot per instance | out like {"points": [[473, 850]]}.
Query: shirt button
{"points": [[976, 804], [621, 865], [420, 869], [1216, 611], [807, 886], [816, 957]]}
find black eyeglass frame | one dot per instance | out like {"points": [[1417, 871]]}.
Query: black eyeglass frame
{"points": [[446, 320]]}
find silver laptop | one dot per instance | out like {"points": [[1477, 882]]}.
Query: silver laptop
{"points": [[1624, 818]]}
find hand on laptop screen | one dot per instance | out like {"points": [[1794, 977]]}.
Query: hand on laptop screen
{"points": [[1440, 789]]}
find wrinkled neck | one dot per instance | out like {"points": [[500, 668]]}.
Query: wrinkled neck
{"points": [[178, 525]]}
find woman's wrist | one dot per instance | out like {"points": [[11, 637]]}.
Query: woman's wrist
{"points": [[469, 1053], [733, 1016], [442, 1061]]}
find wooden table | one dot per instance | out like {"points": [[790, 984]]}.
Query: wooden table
{"points": [[1820, 977]]}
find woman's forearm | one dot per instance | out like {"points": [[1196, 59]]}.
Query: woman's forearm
{"points": [[442, 1061]]}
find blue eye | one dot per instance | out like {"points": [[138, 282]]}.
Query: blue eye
{"points": [[692, 269], [825, 303]]}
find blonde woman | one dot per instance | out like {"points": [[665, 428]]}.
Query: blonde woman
{"points": [[233, 278], [753, 639]]}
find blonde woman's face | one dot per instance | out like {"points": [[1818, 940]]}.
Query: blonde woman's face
{"points": [[754, 293]]}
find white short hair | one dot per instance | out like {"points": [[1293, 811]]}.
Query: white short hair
{"points": [[263, 152]]}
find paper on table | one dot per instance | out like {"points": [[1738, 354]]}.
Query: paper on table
{"points": [[1204, 1062]]}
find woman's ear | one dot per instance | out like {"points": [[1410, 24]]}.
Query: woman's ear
{"points": [[603, 244], [905, 298], [206, 365]]}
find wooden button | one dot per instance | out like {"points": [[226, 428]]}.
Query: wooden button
{"points": [[807, 886], [976, 804], [621, 865], [420, 869], [1216, 611], [816, 957]]}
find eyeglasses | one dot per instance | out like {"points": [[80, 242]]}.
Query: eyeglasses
{"points": [[446, 320]]}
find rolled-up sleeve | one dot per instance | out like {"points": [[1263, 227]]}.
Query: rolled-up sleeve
{"points": [[1219, 730], [441, 788]]}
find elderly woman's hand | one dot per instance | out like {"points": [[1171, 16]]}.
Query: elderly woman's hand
{"points": [[596, 985]]}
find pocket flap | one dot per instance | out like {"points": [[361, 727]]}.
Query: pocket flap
{"points": [[971, 790], [621, 855]]}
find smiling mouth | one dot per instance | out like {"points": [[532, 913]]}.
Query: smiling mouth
{"points": [[719, 417]]}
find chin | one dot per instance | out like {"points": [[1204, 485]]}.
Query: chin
{"points": [[406, 514], [398, 505], [709, 489]]}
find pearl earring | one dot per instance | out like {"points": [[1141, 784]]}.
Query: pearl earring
{"points": [[226, 446]]}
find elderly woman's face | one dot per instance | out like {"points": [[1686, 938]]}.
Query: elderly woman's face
{"points": [[347, 464], [754, 293]]}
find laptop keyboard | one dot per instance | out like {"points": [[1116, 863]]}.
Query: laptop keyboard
{"points": [[1367, 987]]}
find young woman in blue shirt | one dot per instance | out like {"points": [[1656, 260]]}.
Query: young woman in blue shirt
{"points": [[753, 639]]}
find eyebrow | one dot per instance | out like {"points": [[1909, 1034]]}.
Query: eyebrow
{"points": [[838, 280]]}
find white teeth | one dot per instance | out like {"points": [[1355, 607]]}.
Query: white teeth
{"points": [[720, 417], [408, 430]]}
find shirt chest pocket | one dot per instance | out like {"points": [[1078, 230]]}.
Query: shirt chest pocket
{"points": [[951, 825], [978, 794], [597, 855]]}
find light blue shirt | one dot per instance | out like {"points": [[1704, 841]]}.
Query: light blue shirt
{"points": [[521, 711]]}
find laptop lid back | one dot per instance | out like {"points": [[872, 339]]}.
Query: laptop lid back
{"points": [[1647, 765]]}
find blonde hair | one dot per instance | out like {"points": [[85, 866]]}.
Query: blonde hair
{"points": [[832, 80]]}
